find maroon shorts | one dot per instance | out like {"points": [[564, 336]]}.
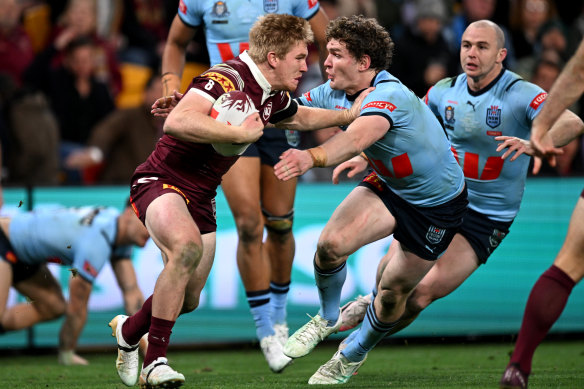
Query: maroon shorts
{"points": [[146, 188]]}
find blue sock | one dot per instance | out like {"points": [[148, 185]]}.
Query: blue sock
{"points": [[278, 297], [259, 303], [329, 284], [371, 332]]}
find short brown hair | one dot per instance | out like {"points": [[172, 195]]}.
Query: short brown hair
{"points": [[277, 33], [363, 36]]}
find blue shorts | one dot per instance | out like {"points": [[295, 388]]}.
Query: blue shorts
{"points": [[272, 144], [483, 234], [20, 271], [425, 231]]}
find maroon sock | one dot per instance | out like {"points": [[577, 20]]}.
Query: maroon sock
{"points": [[545, 304], [158, 338], [138, 324]]}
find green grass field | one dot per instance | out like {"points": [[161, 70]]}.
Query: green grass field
{"points": [[470, 365]]}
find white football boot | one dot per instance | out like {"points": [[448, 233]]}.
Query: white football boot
{"points": [[127, 363], [309, 335]]}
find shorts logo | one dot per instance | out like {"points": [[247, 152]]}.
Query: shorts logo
{"points": [[380, 105], [292, 137], [535, 103], [493, 116], [267, 111], [449, 114], [87, 267], [270, 6], [222, 80], [496, 238], [182, 7], [10, 257], [167, 186], [374, 180], [435, 234]]}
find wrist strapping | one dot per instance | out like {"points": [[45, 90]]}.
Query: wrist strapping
{"points": [[318, 155]]}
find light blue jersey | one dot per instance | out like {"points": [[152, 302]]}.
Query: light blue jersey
{"points": [[227, 22], [414, 158], [82, 238], [472, 120]]}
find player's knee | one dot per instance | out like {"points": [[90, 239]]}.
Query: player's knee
{"points": [[249, 228], [327, 253], [53, 309], [416, 303], [390, 298], [279, 225], [188, 256]]}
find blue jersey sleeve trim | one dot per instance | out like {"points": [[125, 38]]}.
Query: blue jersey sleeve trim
{"points": [[314, 13], [380, 114], [185, 23]]}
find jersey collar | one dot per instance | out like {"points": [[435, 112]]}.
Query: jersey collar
{"points": [[486, 88], [257, 74]]}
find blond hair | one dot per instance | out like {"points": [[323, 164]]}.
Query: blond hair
{"points": [[277, 33]]}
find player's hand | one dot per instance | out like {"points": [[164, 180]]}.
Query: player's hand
{"points": [[520, 146], [355, 110], [293, 163], [355, 165], [165, 104], [251, 129]]}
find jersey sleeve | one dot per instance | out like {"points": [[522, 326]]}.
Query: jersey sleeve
{"points": [[189, 13], [316, 97], [383, 102], [92, 252], [215, 82], [305, 8], [285, 108], [434, 95], [527, 100]]}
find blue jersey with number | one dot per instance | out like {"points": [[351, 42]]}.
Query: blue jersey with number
{"points": [[472, 120], [413, 158], [227, 22], [82, 238]]}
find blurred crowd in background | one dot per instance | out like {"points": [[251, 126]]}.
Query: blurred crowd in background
{"points": [[78, 77]]}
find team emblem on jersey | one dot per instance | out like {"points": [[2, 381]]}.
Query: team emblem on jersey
{"points": [[220, 9], [270, 6], [449, 114], [435, 234], [496, 238], [493, 116], [267, 111]]}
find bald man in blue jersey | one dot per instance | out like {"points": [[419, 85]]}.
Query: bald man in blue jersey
{"points": [[417, 191]]}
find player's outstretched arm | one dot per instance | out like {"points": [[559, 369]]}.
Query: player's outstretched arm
{"points": [[362, 133], [309, 118], [355, 165], [128, 282], [75, 319], [566, 90]]}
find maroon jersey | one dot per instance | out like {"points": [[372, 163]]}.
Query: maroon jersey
{"points": [[197, 166]]}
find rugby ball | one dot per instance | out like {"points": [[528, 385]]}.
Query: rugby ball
{"points": [[232, 108]]}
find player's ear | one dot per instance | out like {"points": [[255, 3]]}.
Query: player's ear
{"points": [[501, 55], [364, 62], [272, 59]]}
